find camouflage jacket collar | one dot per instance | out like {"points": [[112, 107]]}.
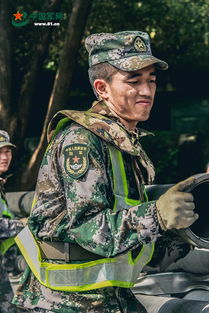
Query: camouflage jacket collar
{"points": [[101, 121], [102, 108]]}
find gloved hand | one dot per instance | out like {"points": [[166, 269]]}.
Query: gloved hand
{"points": [[175, 208]]}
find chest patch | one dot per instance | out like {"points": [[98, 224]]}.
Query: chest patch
{"points": [[76, 161]]}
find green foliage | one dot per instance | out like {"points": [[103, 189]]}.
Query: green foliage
{"points": [[180, 34], [177, 157], [25, 37], [163, 149], [179, 29]]}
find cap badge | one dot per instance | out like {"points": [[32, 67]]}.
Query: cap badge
{"points": [[139, 45], [2, 138]]}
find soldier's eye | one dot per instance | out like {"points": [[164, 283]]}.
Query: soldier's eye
{"points": [[133, 82]]}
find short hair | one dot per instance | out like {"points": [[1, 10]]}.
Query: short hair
{"points": [[101, 71]]}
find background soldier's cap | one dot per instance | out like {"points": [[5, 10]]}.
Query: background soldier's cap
{"points": [[127, 50], [4, 139]]}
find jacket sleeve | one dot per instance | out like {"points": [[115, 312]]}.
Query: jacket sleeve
{"points": [[9, 228]]}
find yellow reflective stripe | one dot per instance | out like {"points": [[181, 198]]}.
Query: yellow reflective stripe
{"points": [[123, 173], [120, 180], [4, 208], [54, 275], [147, 249], [50, 266], [132, 261], [132, 202], [6, 244], [8, 214], [60, 125], [114, 180], [27, 257], [53, 266], [120, 185], [109, 283], [33, 202]]}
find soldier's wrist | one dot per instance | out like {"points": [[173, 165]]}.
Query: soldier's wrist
{"points": [[160, 219]]}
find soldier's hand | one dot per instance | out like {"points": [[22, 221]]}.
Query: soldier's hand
{"points": [[24, 220], [175, 208]]}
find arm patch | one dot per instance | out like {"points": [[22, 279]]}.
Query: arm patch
{"points": [[76, 161]]}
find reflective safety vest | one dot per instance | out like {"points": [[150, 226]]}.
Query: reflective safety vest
{"points": [[122, 270], [4, 211], [6, 244]]}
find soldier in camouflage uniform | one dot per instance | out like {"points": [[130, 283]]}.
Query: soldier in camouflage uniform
{"points": [[76, 191], [8, 229]]}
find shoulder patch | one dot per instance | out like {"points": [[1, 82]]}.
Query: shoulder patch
{"points": [[76, 161]]}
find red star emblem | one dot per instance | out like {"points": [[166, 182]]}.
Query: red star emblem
{"points": [[18, 16], [76, 159]]}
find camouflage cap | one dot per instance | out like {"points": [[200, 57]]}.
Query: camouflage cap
{"points": [[127, 50], [4, 139]]}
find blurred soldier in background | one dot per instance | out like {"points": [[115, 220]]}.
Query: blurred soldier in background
{"points": [[9, 227]]}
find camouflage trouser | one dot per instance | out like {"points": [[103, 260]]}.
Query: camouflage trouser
{"points": [[124, 302], [6, 293]]}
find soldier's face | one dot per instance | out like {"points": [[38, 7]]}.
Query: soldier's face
{"points": [[131, 94], [5, 158]]}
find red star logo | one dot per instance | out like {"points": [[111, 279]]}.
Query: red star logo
{"points": [[18, 16], [76, 159]]}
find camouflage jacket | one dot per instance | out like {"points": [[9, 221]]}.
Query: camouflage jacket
{"points": [[69, 202], [74, 200]]}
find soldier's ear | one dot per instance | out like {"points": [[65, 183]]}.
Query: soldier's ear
{"points": [[101, 87]]}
